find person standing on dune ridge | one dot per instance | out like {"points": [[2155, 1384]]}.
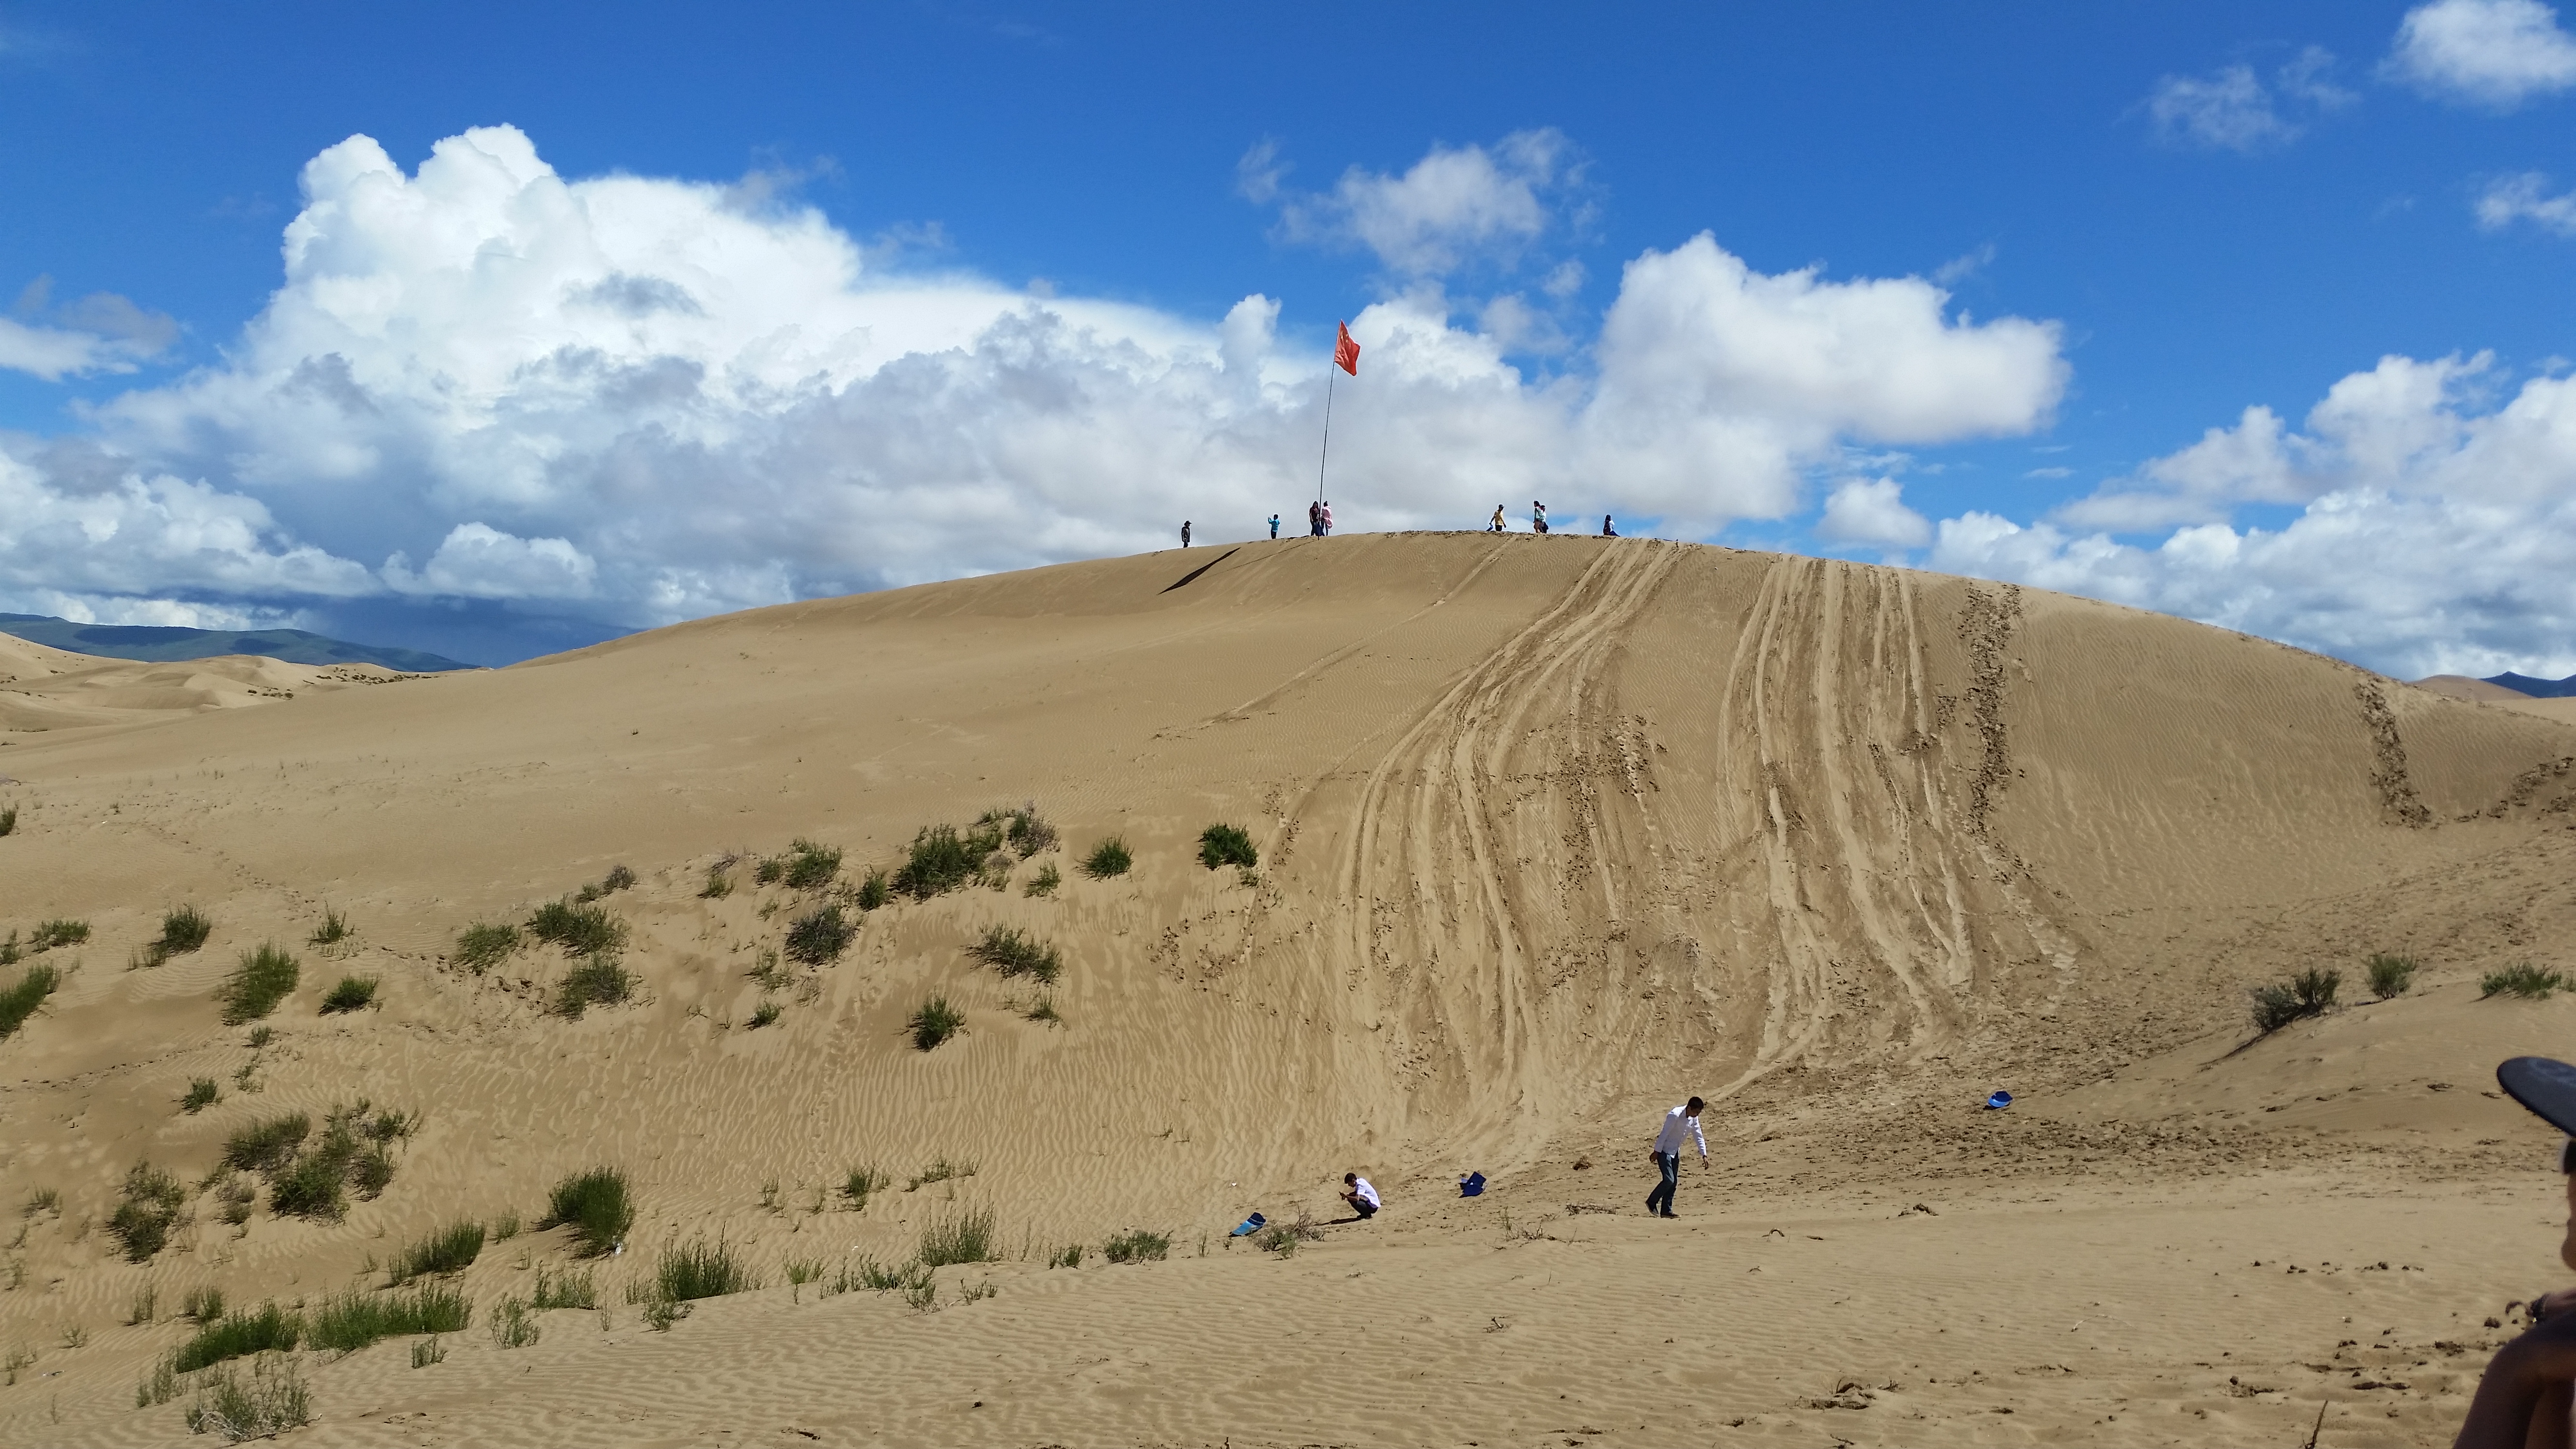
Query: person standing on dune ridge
{"points": [[1274, 528], [1668, 1155], [1327, 516], [1497, 525], [1185, 533]]}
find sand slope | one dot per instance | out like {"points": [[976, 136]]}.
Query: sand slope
{"points": [[1553, 832]]}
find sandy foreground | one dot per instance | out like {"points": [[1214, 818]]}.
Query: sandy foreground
{"points": [[1553, 833]]}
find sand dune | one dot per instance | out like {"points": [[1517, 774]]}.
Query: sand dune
{"points": [[1553, 832]]}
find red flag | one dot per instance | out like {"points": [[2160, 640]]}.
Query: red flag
{"points": [[1346, 353]]}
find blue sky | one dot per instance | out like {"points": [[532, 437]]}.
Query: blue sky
{"points": [[717, 309]]}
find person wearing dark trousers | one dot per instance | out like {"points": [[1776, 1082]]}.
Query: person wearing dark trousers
{"points": [[1668, 1155], [1361, 1197], [1607, 531], [1274, 528], [1185, 533]]}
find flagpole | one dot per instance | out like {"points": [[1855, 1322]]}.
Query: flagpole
{"points": [[1329, 369]]}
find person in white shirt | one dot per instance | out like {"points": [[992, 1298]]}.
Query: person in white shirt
{"points": [[1357, 1192], [1668, 1155]]}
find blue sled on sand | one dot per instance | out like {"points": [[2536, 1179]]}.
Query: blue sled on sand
{"points": [[1472, 1185], [1249, 1226], [1998, 1101]]}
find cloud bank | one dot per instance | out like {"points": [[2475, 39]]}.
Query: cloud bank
{"points": [[2490, 53], [635, 400]]}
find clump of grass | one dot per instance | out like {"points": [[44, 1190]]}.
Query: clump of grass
{"points": [[354, 993], [1044, 882], [182, 931], [921, 1293], [481, 947], [618, 878], [1108, 858], [700, 1269], [1283, 1238], [43, 1200], [598, 1205], [567, 1290], [940, 1170], [765, 1013], [579, 930], [874, 892], [861, 1184], [202, 1093], [1044, 1012], [260, 1036], [597, 981], [2307, 994], [719, 884], [451, 1249], [1222, 845], [266, 1329], [147, 1206], [144, 1309], [333, 931], [266, 1144], [1013, 952], [820, 936], [50, 934], [505, 1227], [769, 973], [2521, 979], [24, 995], [934, 1023], [1069, 1257], [428, 1351], [941, 860], [10, 955], [2391, 975], [159, 1386], [354, 1320], [1029, 832], [661, 1313], [8, 819], [272, 1400], [315, 1184], [203, 1305], [1137, 1246], [513, 1326], [234, 1198], [257, 985], [966, 1238], [808, 866]]}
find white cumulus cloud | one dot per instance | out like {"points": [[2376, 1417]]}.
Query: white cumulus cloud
{"points": [[636, 400], [2494, 53], [2434, 533], [1455, 205], [2526, 198], [1872, 511], [2234, 109]]}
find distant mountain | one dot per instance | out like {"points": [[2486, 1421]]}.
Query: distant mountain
{"points": [[2536, 688], [140, 641]]}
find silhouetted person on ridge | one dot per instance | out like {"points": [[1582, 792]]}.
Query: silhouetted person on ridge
{"points": [[1274, 528], [1185, 533], [1538, 516], [1315, 519]]}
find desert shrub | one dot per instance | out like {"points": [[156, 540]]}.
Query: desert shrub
{"points": [[257, 985], [940, 1170], [939, 860], [1044, 1012], [333, 930], [810, 866], [1283, 1238], [966, 1238], [1044, 882], [769, 870], [159, 1386], [1070, 1257], [184, 930], [567, 1290], [24, 995], [260, 1036], [267, 1329], [598, 1205], [766, 1012], [268, 1403], [2307, 994], [2391, 975], [203, 1305], [354, 993], [147, 1206], [1137, 1246], [202, 1093], [43, 1200], [1029, 832], [10, 955], [1108, 858], [820, 936], [618, 878], [479, 948], [1013, 952], [934, 1023], [505, 1227], [700, 1269], [266, 1144], [144, 1308], [50, 934], [862, 1183], [353, 1320], [2521, 979], [579, 930], [451, 1249], [8, 819], [513, 1326], [428, 1351], [313, 1186], [597, 981], [874, 1276], [719, 884], [1227, 845], [874, 892], [235, 1197]]}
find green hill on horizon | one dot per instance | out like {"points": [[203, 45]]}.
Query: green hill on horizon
{"points": [[163, 642]]}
